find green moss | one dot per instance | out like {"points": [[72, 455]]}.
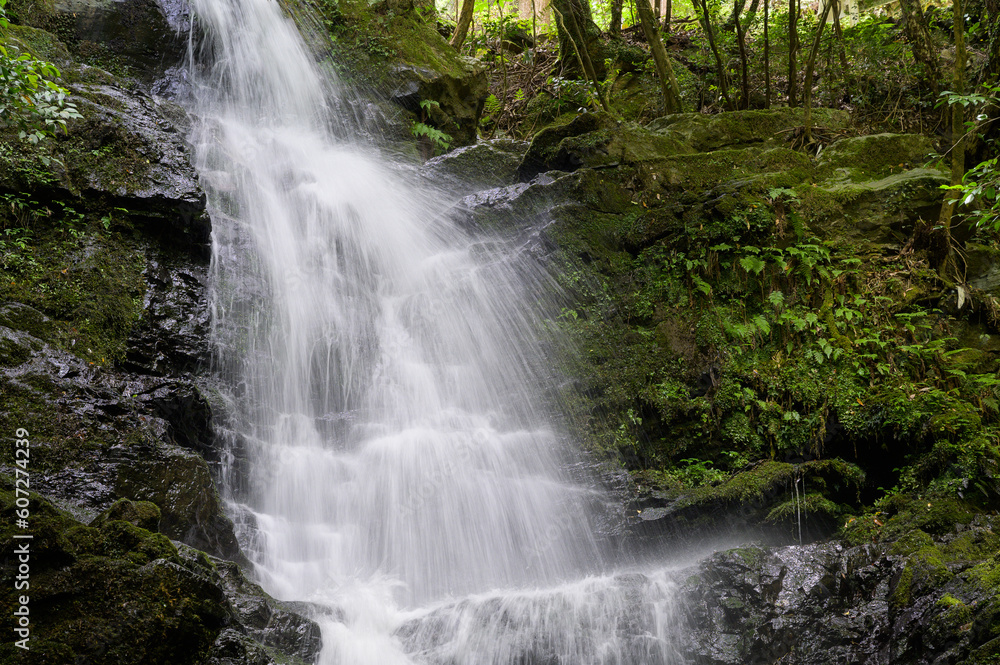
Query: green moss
{"points": [[752, 557], [935, 516], [878, 156], [41, 44], [913, 541], [142, 514], [68, 258], [115, 595], [923, 571], [948, 601], [812, 503], [988, 654], [972, 545]]}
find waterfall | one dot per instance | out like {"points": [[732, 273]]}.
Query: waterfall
{"points": [[383, 369]]}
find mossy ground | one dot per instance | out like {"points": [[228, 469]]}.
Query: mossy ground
{"points": [[725, 327]]}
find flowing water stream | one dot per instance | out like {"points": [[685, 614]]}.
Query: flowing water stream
{"points": [[384, 373]]}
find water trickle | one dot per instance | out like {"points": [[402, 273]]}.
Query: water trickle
{"points": [[383, 374]]}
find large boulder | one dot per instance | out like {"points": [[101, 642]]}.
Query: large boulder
{"points": [[115, 592], [141, 39]]}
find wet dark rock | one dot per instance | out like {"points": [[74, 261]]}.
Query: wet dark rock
{"points": [[149, 171], [185, 409], [172, 336], [111, 435], [281, 626], [485, 165], [827, 603], [138, 38]]}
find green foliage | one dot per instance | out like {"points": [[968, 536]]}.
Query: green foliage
{"points": [[30, 100], [419, 128], [978, 192]]}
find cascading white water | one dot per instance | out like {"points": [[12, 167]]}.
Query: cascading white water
{"points": [[383, 370]]}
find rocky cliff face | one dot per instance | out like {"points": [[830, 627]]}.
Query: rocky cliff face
{"points": [[104, 330]]}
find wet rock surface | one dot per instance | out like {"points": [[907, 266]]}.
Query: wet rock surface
{"points": [[827, 603], [103, 343]]}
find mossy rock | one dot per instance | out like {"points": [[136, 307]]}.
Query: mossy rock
{"points": [[16, 347], [983, 267], [705, 133], [117, 594], [41, 44], [143, 514], [872, 213], [179, 483], [877, 156], [923, 572], [34, 13]]}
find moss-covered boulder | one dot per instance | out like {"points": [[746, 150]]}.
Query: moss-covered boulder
{"points": [[132, 38], [485, 165], [143, 514], [394, 49], [115, 592], [705, 133]]}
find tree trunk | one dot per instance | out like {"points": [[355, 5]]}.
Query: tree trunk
{"points": [[577, 22], [991, 72], [948, 269], [767, 57], [616, 18], [667, 16], [845, 68], [668, 82], [810, 67], [734, 16], [741, 42], [464, 21], [793, 48], [709, 32], [920, 40], [579, 46]]}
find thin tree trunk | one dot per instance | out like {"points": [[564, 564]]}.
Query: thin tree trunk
{"points": [[845, 68], [709, 32], [734, 15], [920, 40], [793, 47], [667, 16], [767, 57], [745, 81], [616, 18], [991, 71], [668, 82], [657, 10], [948, 268], [579, 45], [464, 21], [810, 67]]}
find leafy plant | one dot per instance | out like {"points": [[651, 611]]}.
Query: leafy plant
{"points": [[438, 139], [29, 98]]}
